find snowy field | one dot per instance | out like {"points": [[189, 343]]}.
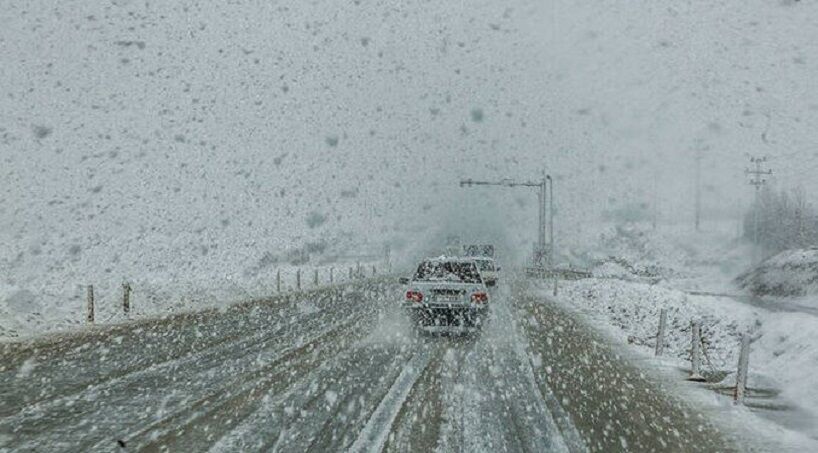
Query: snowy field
{"points": [[28, 313]]}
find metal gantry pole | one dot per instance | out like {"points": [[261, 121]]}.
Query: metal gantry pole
{"points": [[541, 186], [543, 218], [551, 246]]}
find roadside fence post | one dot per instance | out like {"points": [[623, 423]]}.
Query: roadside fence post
{"points": [[331, 271], [660, 335], [315, 277], [696, 352], [278, 281], [556, 285], [350, 272], [298, 279], [89, 307], [373, 270], [126, 298], [743, 368]]}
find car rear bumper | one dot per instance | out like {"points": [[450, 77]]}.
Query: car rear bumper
{"points": [[434, 315]]}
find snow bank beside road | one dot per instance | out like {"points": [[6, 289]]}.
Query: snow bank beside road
{"points": [[787, 349], [784, 349], [633, 308], [789, 273]]}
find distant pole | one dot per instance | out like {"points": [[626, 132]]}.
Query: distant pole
{"points": [[298, 279], [541, 199], [543, 218], [743, 368], [552, 246], [331, 277], [374, 271], [278, 280], [350, 272], [655, 201], [315, 277], [126, 298], [89, 307], [698, 188], [660, 335], [757, 181]]}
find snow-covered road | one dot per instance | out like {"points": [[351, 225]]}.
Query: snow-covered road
{"points": [[339, 369], [773, 305]]}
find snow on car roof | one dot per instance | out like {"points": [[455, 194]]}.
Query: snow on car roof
{"points": [[459, 259]]}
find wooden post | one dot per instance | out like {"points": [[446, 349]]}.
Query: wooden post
{"points": [[278, 281], [331, 277], [660, 335], [556, 285], [374, 271], [89, 307], [315, 277], [298, 279], [743, 368], [126, 298], [696, 352]]}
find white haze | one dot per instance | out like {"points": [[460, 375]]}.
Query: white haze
{"points": [[190, 138]]}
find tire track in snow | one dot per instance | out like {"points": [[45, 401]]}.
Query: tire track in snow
{"points": [[374, 435], [242, 397], [523, 419]]}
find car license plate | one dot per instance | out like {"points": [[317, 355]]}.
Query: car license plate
{"points": [[448, 298]]}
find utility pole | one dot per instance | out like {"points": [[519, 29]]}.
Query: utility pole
{"points": [[757, 181], [698, 187], [655, 214], [551, 249], [540, 255]]}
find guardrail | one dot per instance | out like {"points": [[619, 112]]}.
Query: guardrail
{"points": [[319, 279], [563, 274]]}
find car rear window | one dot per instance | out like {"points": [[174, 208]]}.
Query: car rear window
{"points": [[447, 271], [485, 265]]}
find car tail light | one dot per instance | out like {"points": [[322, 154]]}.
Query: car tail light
{"points": [[414, 296], [480, 297]]}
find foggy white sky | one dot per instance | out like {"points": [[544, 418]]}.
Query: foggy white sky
{"points": [[172, 121]]}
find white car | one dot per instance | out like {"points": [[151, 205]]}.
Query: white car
{"points": [[488, 269], [445, 292]]}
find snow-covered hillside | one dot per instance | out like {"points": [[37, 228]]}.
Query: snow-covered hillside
{"points": [[790, 273]]}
